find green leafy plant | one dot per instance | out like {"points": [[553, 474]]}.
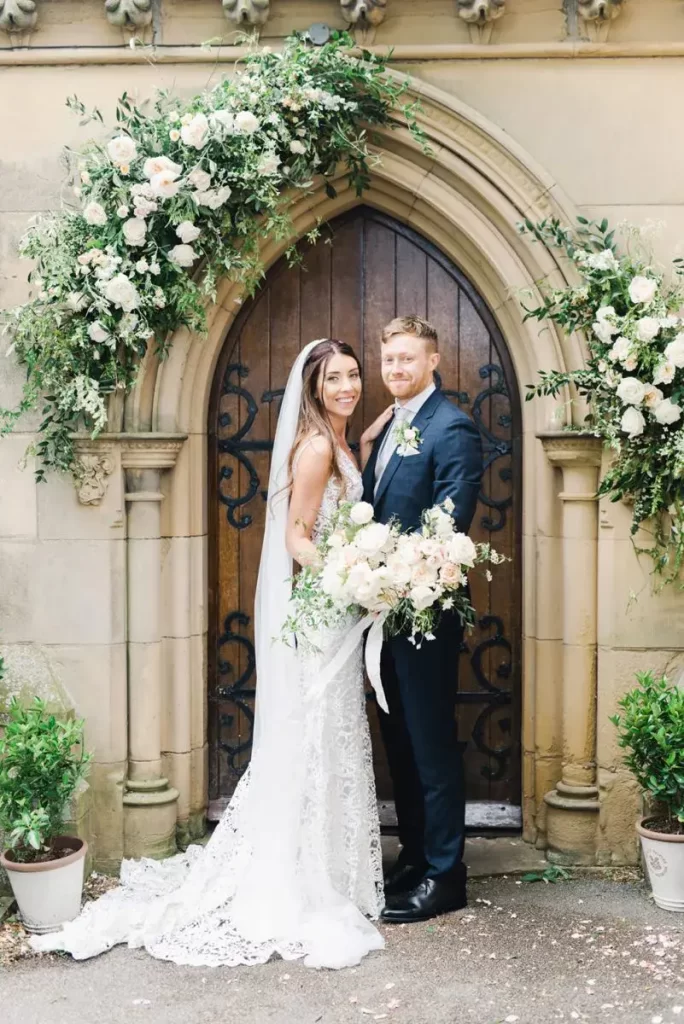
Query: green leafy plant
{"points": [[180, 195], [628, 310], [553, 873], [42, 761], [651, 730]]}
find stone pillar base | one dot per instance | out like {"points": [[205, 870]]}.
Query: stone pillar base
{"points": [[149, 819], [571, 824]]}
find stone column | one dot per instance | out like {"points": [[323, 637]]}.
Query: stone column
{"points": [[572, 807], [149, 801]]}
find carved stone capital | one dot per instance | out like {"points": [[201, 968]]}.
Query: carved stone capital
{"points": [[150, 451], [18, 15], [129, 13], [564, 448], [363, 12], [599, 10], [479, 12], [92, 469], [247, 12]]}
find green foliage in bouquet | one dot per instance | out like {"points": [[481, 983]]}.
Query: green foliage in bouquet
{"points": [[651, 730], [628, 310], [42, 761]]}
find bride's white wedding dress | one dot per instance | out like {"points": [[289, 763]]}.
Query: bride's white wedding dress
{"points": [[294, 867]]}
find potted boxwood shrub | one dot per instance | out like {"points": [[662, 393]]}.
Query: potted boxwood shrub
{"points": [[651, 730], [42, 761]]}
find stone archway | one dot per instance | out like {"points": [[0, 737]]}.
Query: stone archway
{"points": [[465, 198]]}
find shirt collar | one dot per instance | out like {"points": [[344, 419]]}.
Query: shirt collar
{"points": [[418, 401]]}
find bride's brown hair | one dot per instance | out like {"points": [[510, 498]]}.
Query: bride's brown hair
{"points": [[313, 417]]}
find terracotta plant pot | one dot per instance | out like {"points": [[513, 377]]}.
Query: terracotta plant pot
{"points": [[664, 860], [48, 893]]}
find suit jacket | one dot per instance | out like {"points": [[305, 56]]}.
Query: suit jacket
{"points": [[448, 465]]}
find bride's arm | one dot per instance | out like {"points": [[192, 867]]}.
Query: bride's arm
{"points": [[310, 478], [371, 434]]}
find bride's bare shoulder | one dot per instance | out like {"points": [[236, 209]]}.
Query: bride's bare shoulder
{"points": [[313, 448]]}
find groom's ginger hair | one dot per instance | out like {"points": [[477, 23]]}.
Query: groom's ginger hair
{"points": [[414, 326]]}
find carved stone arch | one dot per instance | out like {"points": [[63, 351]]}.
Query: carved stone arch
{"points": [[465, 197]]}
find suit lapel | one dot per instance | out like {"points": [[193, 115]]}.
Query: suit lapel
{"points": [[420, 422]]}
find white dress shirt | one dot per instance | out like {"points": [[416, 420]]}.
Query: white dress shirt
{"points": [[404, 412]]}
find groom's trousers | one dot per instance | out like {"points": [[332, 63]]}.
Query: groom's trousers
{"points": [[425, 759]]}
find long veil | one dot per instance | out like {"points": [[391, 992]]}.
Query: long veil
{"points": [[261, 886]]}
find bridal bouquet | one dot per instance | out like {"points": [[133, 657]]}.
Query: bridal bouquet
{"points": [[403, 580]]}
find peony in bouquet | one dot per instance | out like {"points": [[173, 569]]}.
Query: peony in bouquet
{"points": [[405, 580]]}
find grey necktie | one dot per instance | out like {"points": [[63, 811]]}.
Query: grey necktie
{"points": [[389, 445]]}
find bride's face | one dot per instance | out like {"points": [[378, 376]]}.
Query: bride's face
{"points": [[340, 388]]}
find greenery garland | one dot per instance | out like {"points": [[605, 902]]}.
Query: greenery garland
{"points": [[179, 196], [630, 313]]}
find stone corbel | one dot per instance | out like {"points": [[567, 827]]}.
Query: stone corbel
{"points": [[480, 15], [129, 15], [18, 18], [364, 16], [597, 15], [247, 12], [94, 464]]}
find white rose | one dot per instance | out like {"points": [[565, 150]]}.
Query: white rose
{"points": [[95, 214], [122, 212], [642, 290], [630, 364], [462, 550], [632, 422], [441, 523], [604, 330], [122, 293], [76, 301], [648, 328], [423, 597], [361, 513], [134, 231], [361, 583], [182, 255], [423, 575], [652, 395], [213, 198], [602, 260], [371, 539], [332, 582], [664, 372], [164, 184], [195, 132], [667, 412], [246, 122], [160, 165], [187, 231], [142, 266], [269, 164], [225, 119], [674, 352], [621, 350], [122, 150], [97, 333], [450, 575], [400, 572], [631, 391], [297, 147], [408, 548], [200, 180], [605, 313]]}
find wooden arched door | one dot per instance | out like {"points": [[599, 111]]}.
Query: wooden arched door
{"points": [[364, 270]]}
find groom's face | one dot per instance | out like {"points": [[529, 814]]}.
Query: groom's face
{"points": [[407, 365]]}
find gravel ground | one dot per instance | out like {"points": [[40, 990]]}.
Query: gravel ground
{"points": [[588, 949]]}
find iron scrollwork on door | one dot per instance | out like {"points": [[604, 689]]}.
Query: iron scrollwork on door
{"points": [[237, 692]]}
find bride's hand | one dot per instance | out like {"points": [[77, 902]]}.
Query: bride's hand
{"points": [[371, 433]]}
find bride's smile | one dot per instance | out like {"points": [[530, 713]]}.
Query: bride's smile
{"points": [[341, 388]]}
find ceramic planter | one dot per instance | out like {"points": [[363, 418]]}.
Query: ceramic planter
{"points": [[48, 893], [664, 860]]}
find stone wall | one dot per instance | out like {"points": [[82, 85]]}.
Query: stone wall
{"points": [[595, 108]]}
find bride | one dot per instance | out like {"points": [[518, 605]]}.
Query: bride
{"points": [[294, 867]]}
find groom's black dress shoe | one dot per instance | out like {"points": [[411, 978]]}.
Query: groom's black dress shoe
{"points": [[431, 897], [403, 877]]}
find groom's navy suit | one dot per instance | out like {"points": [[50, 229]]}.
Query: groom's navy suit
{"points": [[419, 732]]}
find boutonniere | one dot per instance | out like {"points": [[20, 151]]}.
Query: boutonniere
{"points": [[407, 438]]}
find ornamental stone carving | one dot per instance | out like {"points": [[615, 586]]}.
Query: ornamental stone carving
{"points": [[599, 10], [129, 13], [363, 12], [247, 12], [18, 15], [479, 12], [91, 477]]}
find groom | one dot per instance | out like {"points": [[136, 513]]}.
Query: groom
{"points": [[419, 733]]}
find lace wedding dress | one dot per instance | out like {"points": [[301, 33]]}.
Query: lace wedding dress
{"points": [[294, 866]]}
